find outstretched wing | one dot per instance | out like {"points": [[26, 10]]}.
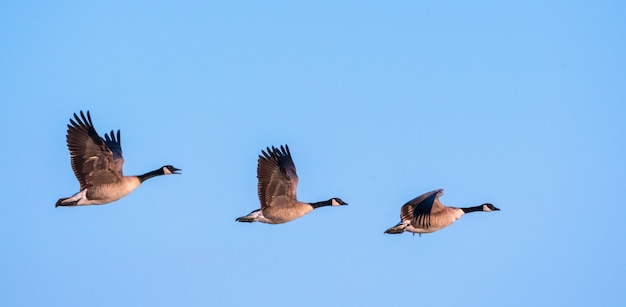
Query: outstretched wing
{"points": [[92, 158], [418, 210], [277, 176], [115, 145]]}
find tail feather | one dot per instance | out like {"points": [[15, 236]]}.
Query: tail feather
{"points": [[254, 216], [399, 228], [61, 202], [245, 219]]}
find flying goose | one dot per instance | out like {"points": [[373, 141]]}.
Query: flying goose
{"points": [[277, 190], [426, 214], [97, 164]]}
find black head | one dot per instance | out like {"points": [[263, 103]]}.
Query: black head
{"points": [[489, 207], [336, 201], [168, 170]]}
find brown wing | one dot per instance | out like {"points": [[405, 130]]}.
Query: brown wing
{"points": [[92, 160], [115, 145], [418, 210], [406, 212], [277, 177]]}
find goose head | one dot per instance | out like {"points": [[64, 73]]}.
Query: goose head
{"points": [[336, 201], [169, 170], [487, 207]]}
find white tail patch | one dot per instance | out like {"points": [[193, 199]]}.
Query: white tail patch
{"points": [[78, 198]]}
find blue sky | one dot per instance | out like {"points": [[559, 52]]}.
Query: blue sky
{"points": [[517, 103]]}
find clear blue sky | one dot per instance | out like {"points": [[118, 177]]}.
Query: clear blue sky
{"points": [[517, 103]]}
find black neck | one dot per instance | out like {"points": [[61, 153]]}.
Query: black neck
{"points": [[322, 203], [473, 209], [148, 175]]}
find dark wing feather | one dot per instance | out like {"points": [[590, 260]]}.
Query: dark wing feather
{"points": [[115, 145], [418, 210], [277, 175], [406, 212], [92, 160]]}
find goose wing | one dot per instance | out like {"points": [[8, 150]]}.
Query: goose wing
{"points": [[94, 160], [418, 209], [277, 177], [114, 143]]}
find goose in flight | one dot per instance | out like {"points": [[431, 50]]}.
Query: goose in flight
{"points": [[97, 164], [277, 190], [426, 214]]}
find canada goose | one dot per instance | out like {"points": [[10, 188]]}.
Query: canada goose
{"points": [[277, 190], [97, 164], [425, 214]]}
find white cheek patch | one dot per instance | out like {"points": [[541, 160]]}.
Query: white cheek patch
{"points": [[486, 208], [334, 202], [166, 171]]}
